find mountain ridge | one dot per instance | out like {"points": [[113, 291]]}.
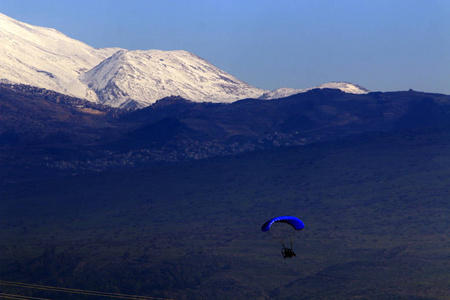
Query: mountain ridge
{"points": [[42, 129], [346, 87], [46, 58], [146, 76]]}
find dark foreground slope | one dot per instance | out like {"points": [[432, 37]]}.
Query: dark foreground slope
{"points": [[375, 207]]}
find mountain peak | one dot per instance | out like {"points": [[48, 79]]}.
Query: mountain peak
{"points": [[46, 58], [346, 87], [146, 76]]}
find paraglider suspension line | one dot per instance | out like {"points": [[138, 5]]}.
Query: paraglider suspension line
{"points": [[287, 252]]}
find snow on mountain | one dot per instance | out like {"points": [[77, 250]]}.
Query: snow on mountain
{"points": [[46, 58], [139, 78], [343, 86]]}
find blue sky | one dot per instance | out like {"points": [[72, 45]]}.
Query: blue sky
{"points": [[381, 45]]}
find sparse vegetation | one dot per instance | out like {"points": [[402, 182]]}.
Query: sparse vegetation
{"points": [[375, 208]]}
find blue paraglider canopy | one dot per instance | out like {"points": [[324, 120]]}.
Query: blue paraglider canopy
{"points": [[296, 223]]}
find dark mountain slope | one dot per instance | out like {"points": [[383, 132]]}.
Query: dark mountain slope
{"points": [[299, 119], [46, 131], [31, 115], [375, 206]]}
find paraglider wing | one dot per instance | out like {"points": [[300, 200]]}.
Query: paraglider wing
{"points": [[296, 223]]}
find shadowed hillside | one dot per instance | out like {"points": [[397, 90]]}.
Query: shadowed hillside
{"points": [[375, 208], [43, 132]]}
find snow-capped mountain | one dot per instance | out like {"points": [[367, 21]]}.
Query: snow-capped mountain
{"points": [[139, 78], [286, 92], [46, 58]]}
